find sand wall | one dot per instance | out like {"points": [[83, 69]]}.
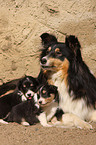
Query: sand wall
{"points": [[23, 21]]}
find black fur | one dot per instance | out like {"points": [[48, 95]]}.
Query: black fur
{"points": [[25, 110], [28, 111], [80, 80]]}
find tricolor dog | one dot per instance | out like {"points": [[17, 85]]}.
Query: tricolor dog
{"points": [[62, 65]]}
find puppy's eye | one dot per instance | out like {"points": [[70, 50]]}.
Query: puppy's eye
{"points": [[31, 85], [24, 86]]}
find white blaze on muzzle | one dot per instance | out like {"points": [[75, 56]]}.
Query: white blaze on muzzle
{"points": [[29, 94]]}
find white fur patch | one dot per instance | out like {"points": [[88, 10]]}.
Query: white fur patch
{"points": [[93, 116], [77, 107], [72, 120], [2, 121], [29, 93], [42, 100], [43, 120], [23, 98], [36, 100], [25, 123]]}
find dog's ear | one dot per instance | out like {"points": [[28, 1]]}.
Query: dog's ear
{"points": [[48, 39], [72, 42]]}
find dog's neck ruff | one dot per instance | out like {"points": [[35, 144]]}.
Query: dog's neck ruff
{"points": [[67, 103]]}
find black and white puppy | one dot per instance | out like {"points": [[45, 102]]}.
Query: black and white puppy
{"points": [[41, 108], [16, 93]]}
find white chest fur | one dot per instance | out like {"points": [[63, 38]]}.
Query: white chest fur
{"points": [[50, 110], [68, 105]]}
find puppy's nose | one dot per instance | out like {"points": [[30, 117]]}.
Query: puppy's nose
{"points": [[43, 60], [40, 102], [29, 95]]}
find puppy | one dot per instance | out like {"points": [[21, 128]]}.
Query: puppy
{"points": [[62, 65], [41, 108], [24, 89]]}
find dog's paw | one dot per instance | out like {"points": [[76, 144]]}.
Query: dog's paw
{"points": [[83, 125], [72, 120]]}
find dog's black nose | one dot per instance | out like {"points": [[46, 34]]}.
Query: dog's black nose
{"points": [[43, 60], [40, 102]]}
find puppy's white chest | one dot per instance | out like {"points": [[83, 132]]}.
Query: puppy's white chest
{"points": [[50, 110]]}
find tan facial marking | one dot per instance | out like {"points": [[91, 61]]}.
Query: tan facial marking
{"points": [[44, 71], [65, 67], [60, 65], [24, 86], [48, 100], [43, 91], [57, 50], [50, 82], [56, 63], [49, 49]]}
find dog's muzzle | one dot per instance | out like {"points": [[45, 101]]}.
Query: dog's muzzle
{"points": [[29, 94]]}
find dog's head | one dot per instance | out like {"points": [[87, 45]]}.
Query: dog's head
{"points": [[28, 86], [47, 94], [56, 55]]}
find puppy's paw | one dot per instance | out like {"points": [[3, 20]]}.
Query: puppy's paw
{"points": [[25, 123], [53, 120], [3, 122]]}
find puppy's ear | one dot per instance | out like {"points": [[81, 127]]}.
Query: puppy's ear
{"points": [[55, 92], [48, 39], [53, 88], [20, 84], [72, 42]]}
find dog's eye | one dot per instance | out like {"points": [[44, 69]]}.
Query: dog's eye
{"points": [[31, 85], [58, 53]]}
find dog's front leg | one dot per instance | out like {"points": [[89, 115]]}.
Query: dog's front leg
{"points": [[71, 120], [43, 120]]}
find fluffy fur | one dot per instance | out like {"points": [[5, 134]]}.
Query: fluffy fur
{"points": [[41, 108], [62, 65], [14, 92]]}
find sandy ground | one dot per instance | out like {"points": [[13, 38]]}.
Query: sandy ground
{"points": [[21, 24], [15, 134]]}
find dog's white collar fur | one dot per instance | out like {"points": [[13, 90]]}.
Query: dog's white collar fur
{"points": [[68, 105]]}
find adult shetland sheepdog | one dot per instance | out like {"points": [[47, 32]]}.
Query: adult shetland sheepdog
{"points": [[62, 65]]}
